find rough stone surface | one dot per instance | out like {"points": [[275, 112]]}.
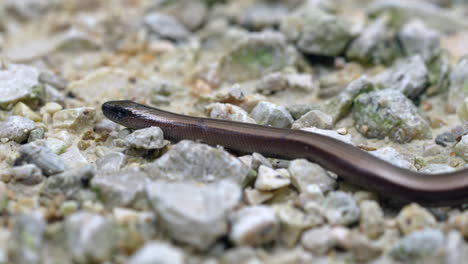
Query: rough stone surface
{"points": [[110, 162], [417, 38], [330, 133], [27, 174], [437, 168], [413, 218], [158, 252], [188, 160], [458, 89], [229, 112], [146, 138], [389, 113], [42, 157], [90, 237], [319, 240], [314, 118], [74, 118], [304, 173], [16, 128], [269, 114], [19, 83], [460, 223], [69, 182], [372, 219], [193, 213], [418, 246], [409, 76], [394, 157], [341, 209], [27, 238], [165, 26], [269, 179], [253, 225], [124, 188]]}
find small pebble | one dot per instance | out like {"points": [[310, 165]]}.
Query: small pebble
{"points": [[319, 240], [372, 219], [392, 156], [28, 174], [43, 157], [146, 138], [253, 225], [269, 179], [269, 114], [27, 238], [74, 118], [419, 246], [16, 128], [314, 118], [158, 252], [304, 173], [228, 112], [341, 209], [413, 218], [255, 197], [459, 222]]}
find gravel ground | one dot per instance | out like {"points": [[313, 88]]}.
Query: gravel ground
{"points": [[389, 77]]}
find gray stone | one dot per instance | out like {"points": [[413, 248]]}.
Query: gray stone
{"points": [[437, 168], [146, 138], [455, 248], [123, 188], [253, 225], [409, 76], [188, 160], [19, 83], [255, 56], [16, 128], [269, 179], [69, 182], [372, 221], [401, 11], [193, 213], [110, 162], [279, 81], [228, 112], [341, 209], [319, 240], [27, 174], [440, 68], [73, 158], [377, 44], [314, 118], [394, 157], [458, 89], [36, 134], [158, 253], [191, 13], [304, 173], [389, 113], [266, 113], [363, 249], [262, 15], [418, 246], [28, 238], [417, 38], [43, 157], [165, 26], [317, 32], [90, 237], [74, 118], [54, 80], [459, 222]]}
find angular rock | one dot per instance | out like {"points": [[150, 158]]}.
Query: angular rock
{"points": [[188, 160], [74, 118], [314, 118], [28, 238], [304, 173], [317, 32], [253, 225], [319, 240], [330, 133], [269, 179], [377, 44], [110, 162], [42, 157], [417, 38], [193, 213], [158, 252], [409, 76], [279, 81], [257, 55], [262, 15], [394, 157], [389, 113], [28, 174], [146, 138], [413, 218], [123, 188], [16, 128], [419, 246], [266, 113], [341, 209], [228, 112], [69, 182], [165, 26], [90, 237], [19, 83], [372, 221], [458, 89], [73, 158]]}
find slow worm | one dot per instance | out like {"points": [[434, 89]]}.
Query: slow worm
{"points": [[350, 163]]}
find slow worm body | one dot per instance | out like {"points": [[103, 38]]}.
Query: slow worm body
{"points": [[350, 163]]}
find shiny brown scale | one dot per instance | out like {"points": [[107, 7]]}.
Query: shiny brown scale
{"points": [[348, 162]]}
